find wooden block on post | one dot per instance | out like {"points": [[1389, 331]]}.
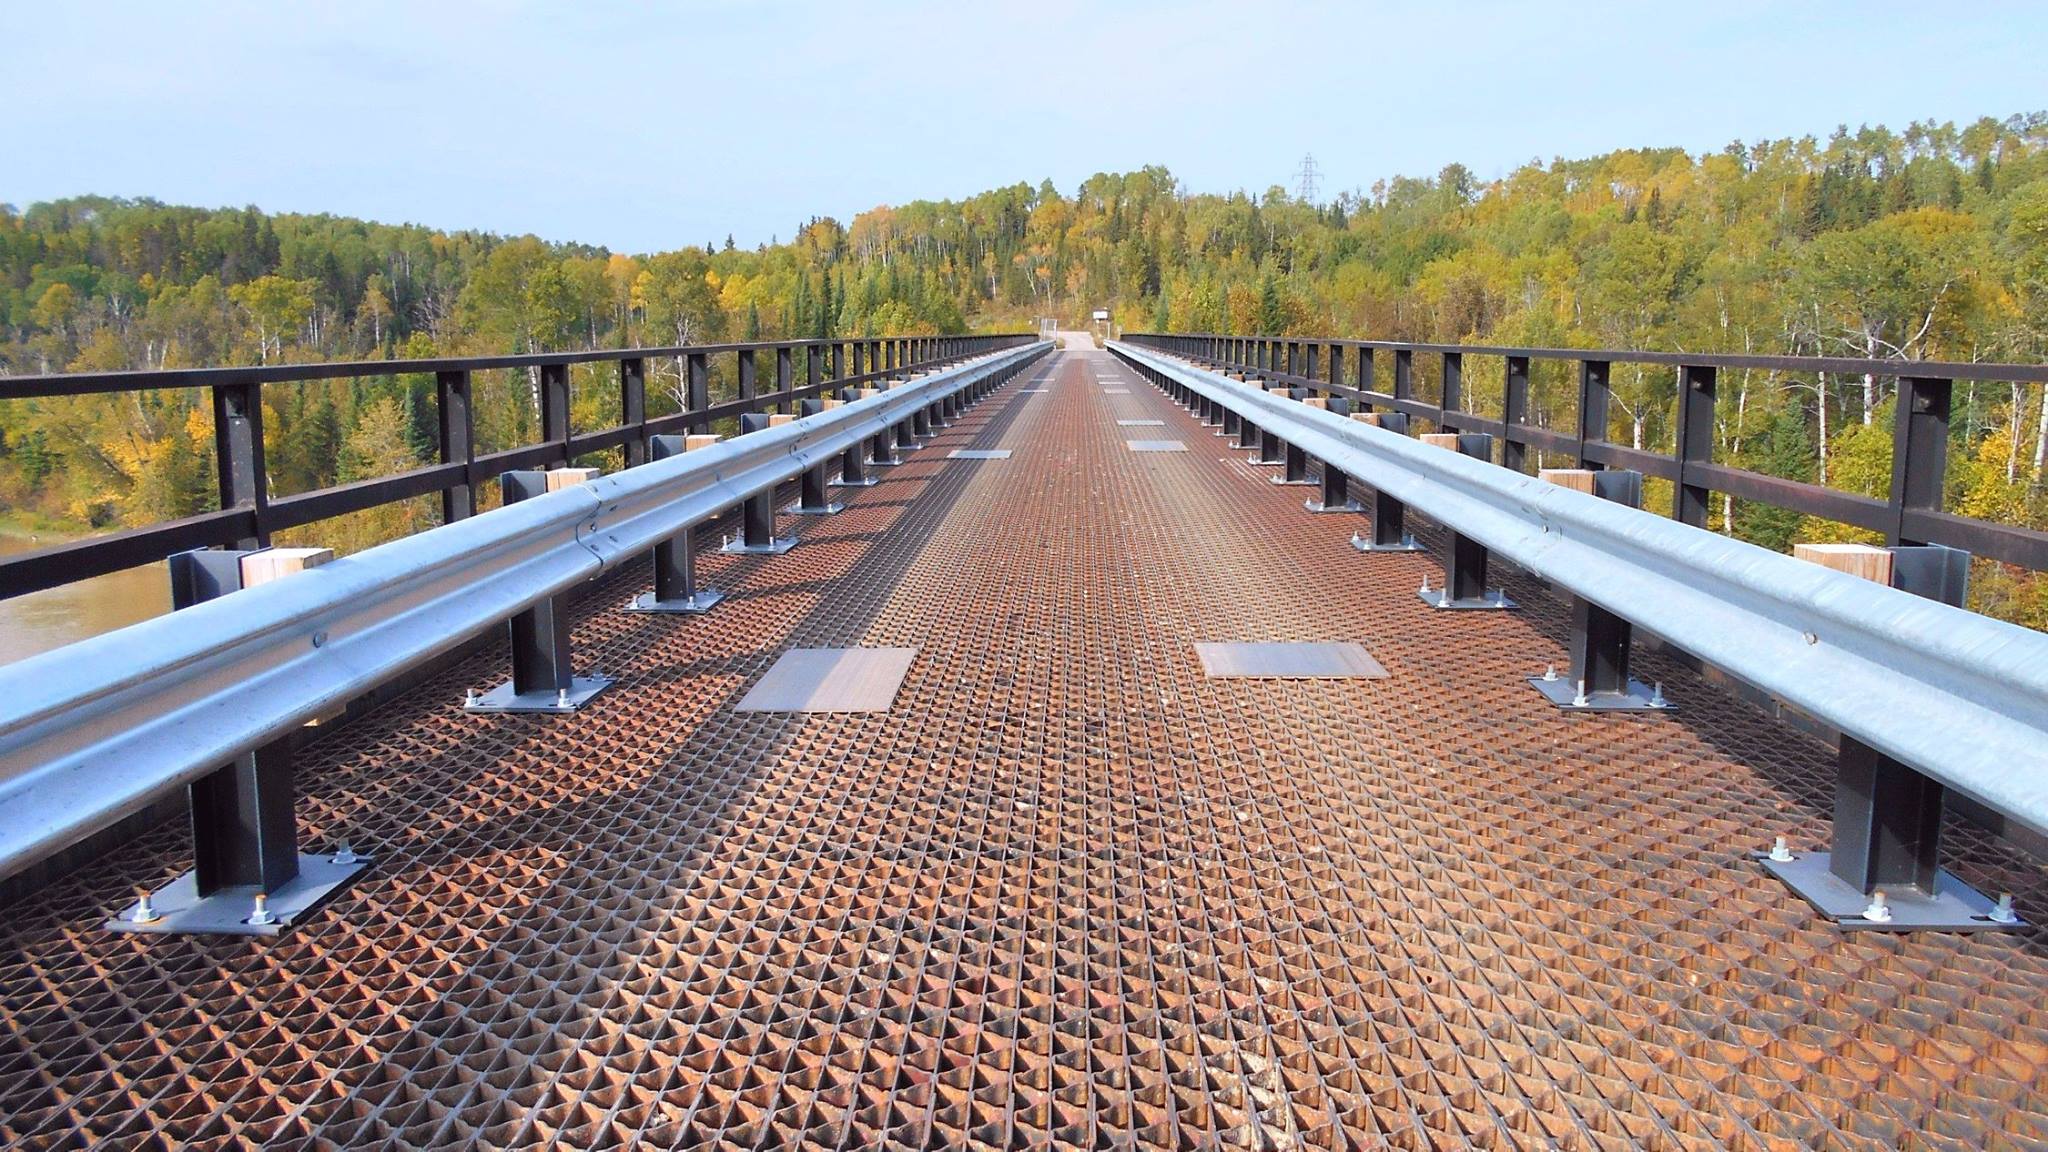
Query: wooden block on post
{"points": [[276, 563], [867, 392], [778, 419], [700, 440], [1372, 418], [1440, 440], [1576, 479], [828, 403], [1277, 389], [1317, 402], [1856, 559], [560, 478]]}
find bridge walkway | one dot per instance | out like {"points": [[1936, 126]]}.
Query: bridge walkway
{"points": [[1066, 892]]}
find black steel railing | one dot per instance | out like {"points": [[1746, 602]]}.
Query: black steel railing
{"points": [[248, 514], [1911, 513]]}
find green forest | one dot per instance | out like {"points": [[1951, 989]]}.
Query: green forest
{"points": [[1929, 242]]}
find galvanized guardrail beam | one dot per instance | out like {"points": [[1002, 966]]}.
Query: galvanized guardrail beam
{"points": [[95, 731], [1951, 694]]}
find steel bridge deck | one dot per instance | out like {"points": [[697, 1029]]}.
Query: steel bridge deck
{"points": [[1067, 893]]}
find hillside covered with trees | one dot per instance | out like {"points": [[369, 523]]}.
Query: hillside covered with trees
{"points": [[1926, 243]]}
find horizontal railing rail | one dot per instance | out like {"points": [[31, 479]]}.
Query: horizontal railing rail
{"points": [[1956, 695], [95, 731], [1910, 513], [249, 514]]}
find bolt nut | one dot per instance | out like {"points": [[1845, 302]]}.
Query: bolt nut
{"points": [[144, 912], [1880, 909], [260, 913], [2003, 912], [1781, 851]]}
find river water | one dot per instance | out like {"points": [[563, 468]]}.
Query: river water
{"points": [[50, 619]]}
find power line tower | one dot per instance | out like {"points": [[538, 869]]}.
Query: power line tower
{"points": [[1305, 181]]}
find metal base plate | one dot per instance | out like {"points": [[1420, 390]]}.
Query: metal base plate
{"points": [[1258, 463], [774, 547], [1562, 691], [704, 601], [863, 482], [1364, 543], [827, 510], [1315, 505], [1954, 907], [1439, 599], [180, 910], [1284, 482], [502, 698]]}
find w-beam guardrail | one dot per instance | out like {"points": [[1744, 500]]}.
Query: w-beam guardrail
{"points": [[1926, 695], [95, 731]]}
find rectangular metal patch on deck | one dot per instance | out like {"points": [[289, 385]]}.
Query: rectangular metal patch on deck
{"points": [[830, 680], [1116, 391], [1156, 445], [978, 454], [1342, 661], [1141, 423]]}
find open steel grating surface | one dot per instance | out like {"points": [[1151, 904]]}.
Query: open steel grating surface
{"points": [[1067, 893]]}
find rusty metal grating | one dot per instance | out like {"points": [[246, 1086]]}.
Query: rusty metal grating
{"points": [[1066, 894]]}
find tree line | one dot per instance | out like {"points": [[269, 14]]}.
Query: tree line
{"points": [[1926, 243]]}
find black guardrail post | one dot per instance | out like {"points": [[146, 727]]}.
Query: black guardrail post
{"points": [[1336, 494], [1601, 641], [676, 591], [757, 512], [1464, 587], [543, 679], [1389, 515], [813, 499]]}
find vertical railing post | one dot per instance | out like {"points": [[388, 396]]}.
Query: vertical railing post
{"points": [[748, 370], [814, 366], [1367, 369], [238, 454], [1453, 396], [1514, 412], [1919, 451], [839, 361], [457, 443], [554, 410], [1594, 395], [633, 407], [785, 379], [697, 391], [1404, 377], [1695, 442]]}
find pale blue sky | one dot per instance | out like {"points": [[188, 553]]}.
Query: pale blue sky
{"points": [[648, 127]]}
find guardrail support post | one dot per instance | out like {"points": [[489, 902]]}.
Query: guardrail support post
{"points": [[1883, 867], [543, 679], [1464, 587], [676, 591], [1293, 459], [757, 512], [248, 876], [1598, 679], [1336, 495], [1389, 516], [812, 499]]}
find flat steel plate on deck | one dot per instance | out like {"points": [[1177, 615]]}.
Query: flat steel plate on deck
{"points": [[830, 680], [1141, 423], [1116, 391], [1155, 446], [1340, 661], [978, 454]]}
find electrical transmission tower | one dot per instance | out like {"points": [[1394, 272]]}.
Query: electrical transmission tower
{"points": [[1305, 182]]}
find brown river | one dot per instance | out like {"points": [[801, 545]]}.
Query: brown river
{"points": [[41, 621]]}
